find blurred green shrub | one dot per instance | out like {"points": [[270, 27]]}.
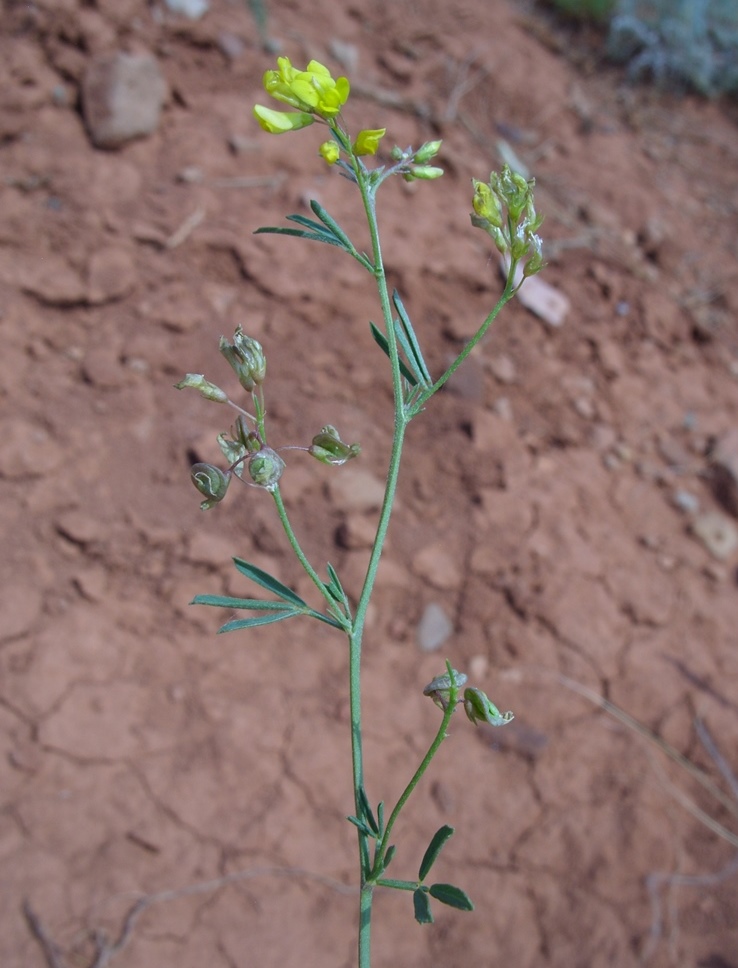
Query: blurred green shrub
{"points": [[675, 43], [597, 10], [684, 42]]}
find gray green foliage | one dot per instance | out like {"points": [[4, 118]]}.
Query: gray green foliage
{"points": [[688, 42], [676, 43]]}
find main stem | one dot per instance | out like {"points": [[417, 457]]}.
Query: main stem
{"points": [[357, 632]]}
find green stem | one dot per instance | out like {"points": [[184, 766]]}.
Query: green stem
{"points": [[294, 543], [357, 632], [432, 750], [507, 295]]}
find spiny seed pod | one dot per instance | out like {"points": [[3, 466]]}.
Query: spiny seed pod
{"points": [[266, 467], [211, 482]]}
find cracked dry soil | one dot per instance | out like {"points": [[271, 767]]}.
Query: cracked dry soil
{"points": [[548, 503]]}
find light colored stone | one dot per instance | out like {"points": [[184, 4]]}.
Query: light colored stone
{"points": [[434, 628], [122, 97], [435, 565], [549, 304], [717, 533]]}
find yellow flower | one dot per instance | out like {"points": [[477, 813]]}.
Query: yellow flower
{"points": [[278, 83], [277, 122], [367, 141], [330, 152], [312, 90]]}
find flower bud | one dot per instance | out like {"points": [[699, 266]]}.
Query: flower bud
{"points": [[424, 172], [266, 467], [198, 382], [439, 690], [330, 152], [328, 448], [246, 357], [479, 709], [367, 142], [427, 151], [211, 482]]}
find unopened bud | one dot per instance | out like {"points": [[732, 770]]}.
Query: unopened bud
{"points": [[209, 390], [211, 482], [479, 709], [266, 467], [424, 172], [427, 151], [328, 448]]}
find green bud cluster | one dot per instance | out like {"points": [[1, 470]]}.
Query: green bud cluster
{"points": [[504, 208]]}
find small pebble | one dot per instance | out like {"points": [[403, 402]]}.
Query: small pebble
{"points": [[686, 501], [717, 533], [434, 628]]}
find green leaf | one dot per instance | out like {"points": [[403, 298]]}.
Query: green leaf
{"points": [[381, 340], [366, 811], [333, 586], [269, 582], [388, 856], [380, 817], [250, 623], [299, 233], [224, 601], [331, 224], [362, 826], [410, 342], [440, 837], [421, 901], [453, 896]]}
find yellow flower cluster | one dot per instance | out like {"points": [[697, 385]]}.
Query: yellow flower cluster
{"points": [[313, 92]]}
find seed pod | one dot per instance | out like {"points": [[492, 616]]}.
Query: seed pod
{"points": [[211, 482]]}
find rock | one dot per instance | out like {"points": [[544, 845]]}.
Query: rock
{"points": [[112, 275], [194, 9], [122, 97], [685, 501], [53, 281], [539, 297], [502, 369], [717, 533], [81, 528], [436, 566], [357, 531], [724, 466], [355, 490], [434, 628]]}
